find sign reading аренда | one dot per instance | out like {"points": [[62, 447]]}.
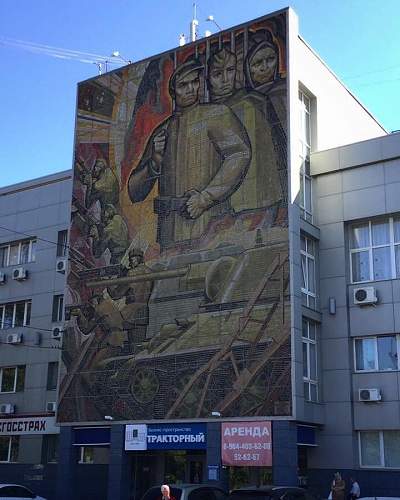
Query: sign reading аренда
{"points": [[165, 437], [246, 443], [28, 425]]}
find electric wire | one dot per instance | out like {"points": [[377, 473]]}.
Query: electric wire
{"points": [[72, 255]]}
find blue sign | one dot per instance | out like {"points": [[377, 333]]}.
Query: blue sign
{"points": [[176, 437]]}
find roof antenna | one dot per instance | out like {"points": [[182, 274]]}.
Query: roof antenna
{"points": [[194, 24]]}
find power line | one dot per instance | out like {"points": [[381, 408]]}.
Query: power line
{"points": [[72, 254], [32, 346]]}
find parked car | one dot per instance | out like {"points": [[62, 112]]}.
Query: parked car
{"points": [[270, 493], [379, 498], [188, 492], [17, 492]]}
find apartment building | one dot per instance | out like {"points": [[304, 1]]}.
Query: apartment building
{"points": [[34, 221]]}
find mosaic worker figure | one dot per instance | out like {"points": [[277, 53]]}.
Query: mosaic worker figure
{"points": [[199, 157], [261, 187]]}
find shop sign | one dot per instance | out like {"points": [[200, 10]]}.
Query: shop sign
{"points": [[166, 437], [176, 437], [33, 425], [246, 443]]}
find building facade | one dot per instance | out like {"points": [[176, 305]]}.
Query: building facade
{"points": [[34, 221], [231, 302], [356, 204]]}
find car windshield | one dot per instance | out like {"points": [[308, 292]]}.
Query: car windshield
{"points": [[155, 493], [249, 494]]}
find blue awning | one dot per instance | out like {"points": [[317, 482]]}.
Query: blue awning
{"points": [[91, 436]]}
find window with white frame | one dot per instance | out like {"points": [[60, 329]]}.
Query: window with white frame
{"points": [[378, 353], [58, 308], [18, 252], [375, 250], [15, 314], [9, 446], [305, 150], [12, 378], [380, 449], [310, 361], [308, 286]]}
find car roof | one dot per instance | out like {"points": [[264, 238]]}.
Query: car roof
{"points": [[267, 488], [12, 484]]}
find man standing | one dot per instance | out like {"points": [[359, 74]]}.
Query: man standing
{"points": [[355, 492], [199, 156]]}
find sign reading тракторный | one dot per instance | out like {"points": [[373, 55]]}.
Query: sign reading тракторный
{"points": [[165, 437], [28, 425], [246, 443]]}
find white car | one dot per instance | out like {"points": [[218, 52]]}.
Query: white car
{"points": [[17, 492]]}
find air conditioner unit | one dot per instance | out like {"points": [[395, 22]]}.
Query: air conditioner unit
{"points": [[20, 274], [365, 295], [369, 395], [61, 265], [14, 338], [7, 408], [51, 406], [3, 278], [56, 332]]}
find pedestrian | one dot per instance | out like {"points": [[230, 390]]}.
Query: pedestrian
{"points": [[166, 493], [355, 492], [338, 487]]}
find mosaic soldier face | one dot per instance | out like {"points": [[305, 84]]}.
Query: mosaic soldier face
{"points": [[222, 75], [263, 65], [187, 89]]}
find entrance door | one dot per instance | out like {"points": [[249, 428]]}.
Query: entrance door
{"points": [[144, 474]]}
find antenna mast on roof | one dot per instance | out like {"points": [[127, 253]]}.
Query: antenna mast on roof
{"points": [[194, 24]]}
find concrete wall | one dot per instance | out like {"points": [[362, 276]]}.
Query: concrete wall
{"points": [[38, 208], [341, 118], [353, 182]]}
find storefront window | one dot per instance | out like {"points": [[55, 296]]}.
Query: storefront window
{"points": [[9, 446], [94, 455]]}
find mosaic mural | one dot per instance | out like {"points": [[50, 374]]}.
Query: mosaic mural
{"points": [[178, 285]]}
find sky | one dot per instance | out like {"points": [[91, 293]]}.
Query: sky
{"points": [[358, 39]]}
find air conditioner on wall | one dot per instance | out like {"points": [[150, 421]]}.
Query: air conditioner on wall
{"points": [[14, 338], [3, 278], [365, 295], [20, 274], [7, 408], [367, 395], [61, 265], [56, 332], [51, 406]]}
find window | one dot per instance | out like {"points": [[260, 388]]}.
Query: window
{"points": [[307, 249], [380, 449], [18, 252], [375, 250], [58, 308], [94, 455], [310, 365], [62, 239], [15, 314], [9, 446], [12, 378], [305, 150], [377, 353], [50, 448], [52, 376]]}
